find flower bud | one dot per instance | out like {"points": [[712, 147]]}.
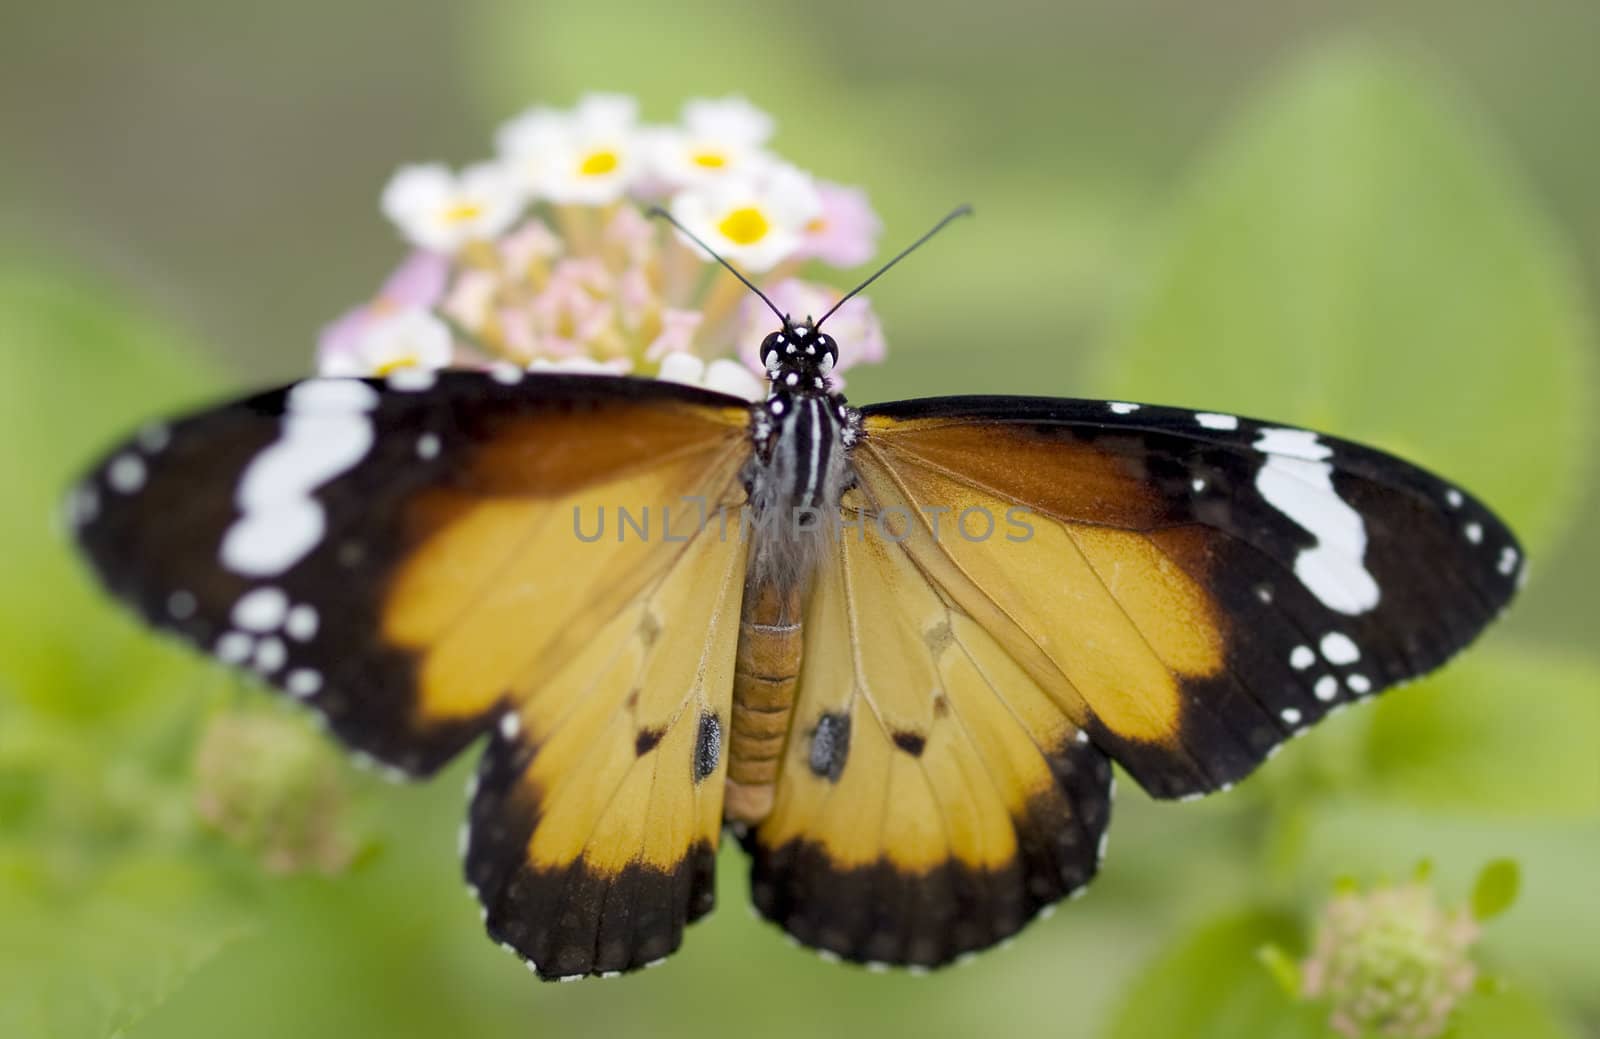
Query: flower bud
{"points": [[271, 786]]}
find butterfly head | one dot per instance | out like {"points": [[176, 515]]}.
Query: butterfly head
{"points": [[799, 356]]}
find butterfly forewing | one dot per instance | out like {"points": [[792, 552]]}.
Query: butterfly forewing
{"points": [[1193, 588]]}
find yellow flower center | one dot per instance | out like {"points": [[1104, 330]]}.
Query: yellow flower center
{"points": [[597, 164], [745, 226], [709, 160], [394, 364], [462, 212]]}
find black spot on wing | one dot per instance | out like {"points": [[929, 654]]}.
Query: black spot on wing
{"points": [[707, 746], [830, 746], [910, 742], [647, 740]]}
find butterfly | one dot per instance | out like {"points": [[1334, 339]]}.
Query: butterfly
{"points": [[895, 650]]}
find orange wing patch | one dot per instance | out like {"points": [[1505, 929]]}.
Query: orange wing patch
{"points": [[596, 822], [1098, 615], [932, 797]]}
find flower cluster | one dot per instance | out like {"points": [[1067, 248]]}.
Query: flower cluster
{"points": [[544, 257], [1392, 962], [271, 786]]}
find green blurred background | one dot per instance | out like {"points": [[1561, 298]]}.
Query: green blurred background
{"points": [[1375, 218]]}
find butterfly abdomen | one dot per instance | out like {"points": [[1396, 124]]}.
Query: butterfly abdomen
{"points": [[766, 672]]}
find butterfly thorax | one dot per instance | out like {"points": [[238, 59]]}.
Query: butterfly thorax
{"points": [[800, 468]]}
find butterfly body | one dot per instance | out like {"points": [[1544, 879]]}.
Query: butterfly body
{"points": [[802, 434], [904, 665]]}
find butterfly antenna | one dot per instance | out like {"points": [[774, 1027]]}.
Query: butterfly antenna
{"points": [[657, 211], [907, 251]]}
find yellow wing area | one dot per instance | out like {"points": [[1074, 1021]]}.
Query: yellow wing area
{"points": [[599, 809], [1063, 553], [571, 584], [933, 798]]}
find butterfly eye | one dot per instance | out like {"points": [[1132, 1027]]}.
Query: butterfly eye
{"points": [[771, 348], [830, 354]]}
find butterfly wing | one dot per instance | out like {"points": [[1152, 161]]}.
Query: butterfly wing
{"points": [[932, 797], [1193, 587], [421, 563], [1186, 589]]}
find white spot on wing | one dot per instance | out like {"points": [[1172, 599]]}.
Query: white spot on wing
{"points": [[271, 655], [1122, 407], [1508, 561], [1290, 716], [510, 725], [1301, 657], [1338, 649], [1359, 684], [261, 610], [1453, 497], [1296, 479], [304, 682], [428, 446], [1212, 420], [154, 438], [181, 605], [301, 623], [235, 647], [1327, 688], [1474, 532], [326, 431], [127, 474], [412, 380]]}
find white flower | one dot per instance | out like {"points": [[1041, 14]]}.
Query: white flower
{"points": [[581, 366], [440, 210], [409, 338], [589, 156], [722, 375], [719, 139], [754, 222]]}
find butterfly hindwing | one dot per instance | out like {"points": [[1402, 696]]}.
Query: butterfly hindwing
{"points": [[932, 799], [1192, 588], [595, 822]]}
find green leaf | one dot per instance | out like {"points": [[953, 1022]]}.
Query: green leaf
{"points": [[1358, 256], [1210, 985], [1509, 1010], [92, 960], [1507, 730], [1496, 888], [1283, 968]]}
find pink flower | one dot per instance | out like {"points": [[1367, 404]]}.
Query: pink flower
{"points": [[846, 233], [418, 283], [527, 245], [677, 333], [854, 326]]}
